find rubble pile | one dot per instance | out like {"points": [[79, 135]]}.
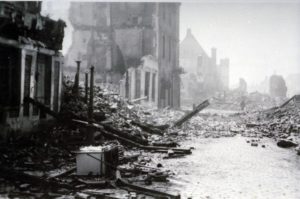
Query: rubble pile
{"points": [[254, 101], [203, 125], [46, 159], [280, 123], [110, 109], [28, 167]]}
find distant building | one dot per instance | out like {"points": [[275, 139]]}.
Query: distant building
{"points": [[243, 87], [203, 76], [131, 44], [30, 64], [223, 70], [277, 86]]}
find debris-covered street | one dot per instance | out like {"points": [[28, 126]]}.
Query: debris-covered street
{"points": [[230, 154]]}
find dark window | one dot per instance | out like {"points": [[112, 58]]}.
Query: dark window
{"points": [[4, 78], [163, 46], [10, 80], [153, 87], [137, 84], [56, 85], [170, 48], [42, 84], [28, 62], [170, 102], [147, 85], [135, 20], [127, 80], [164, 11], [170, 20], [48, 78]]}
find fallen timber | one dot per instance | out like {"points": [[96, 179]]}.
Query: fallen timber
{"points": [[111, 129], [289, 100], [121, 183], [14, 175], [63, 174], [146, 127], [271, 111], [189, 115], [113, 135], [41, 106]]}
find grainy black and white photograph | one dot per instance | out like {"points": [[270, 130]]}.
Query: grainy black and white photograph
{"points": [[143, 99]]}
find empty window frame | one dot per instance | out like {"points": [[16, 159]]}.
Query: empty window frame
{"points": [[153, 87], [147, 85], [27, 80]]}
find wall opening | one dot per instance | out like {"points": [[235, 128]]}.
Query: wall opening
{"points": [[42, 82], [27, 80], [137, 84], [56, 85], [10, 72], [147, 85], [153, 87]]}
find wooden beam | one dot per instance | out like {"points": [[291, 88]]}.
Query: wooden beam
{"points": [[189, 115]]}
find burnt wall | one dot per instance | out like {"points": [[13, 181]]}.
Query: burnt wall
{"points": [[23, 19]]}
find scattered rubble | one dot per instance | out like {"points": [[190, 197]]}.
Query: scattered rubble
{"points": [[46, 159], [280, 123]]}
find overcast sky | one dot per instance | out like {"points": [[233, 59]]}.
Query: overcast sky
{"points": [[259, 38]]}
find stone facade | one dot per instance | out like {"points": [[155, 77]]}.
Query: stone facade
{"points": [[117, 38]]}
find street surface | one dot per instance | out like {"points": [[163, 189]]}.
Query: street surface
{"points": [[232, 168]]}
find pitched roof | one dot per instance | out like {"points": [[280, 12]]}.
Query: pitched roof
{"points": [[191, 46]]}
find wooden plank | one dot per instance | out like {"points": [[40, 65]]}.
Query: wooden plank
{"points": [[41, 106], [13, 175], [286, 102], [189, 115], [127, 141], [121, 183]]}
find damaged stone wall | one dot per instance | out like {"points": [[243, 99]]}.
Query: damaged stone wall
{"points": [[30, 66], [108, 36], [23, 19], [168, 54], [92, 39], [116, 36]]}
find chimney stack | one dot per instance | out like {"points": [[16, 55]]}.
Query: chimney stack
{"points": [[189, 32]]}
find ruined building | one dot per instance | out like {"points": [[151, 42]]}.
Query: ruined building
{"points": [[243, 87], [133, 45], [203, 76], [30, 64], [277, 86]]}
